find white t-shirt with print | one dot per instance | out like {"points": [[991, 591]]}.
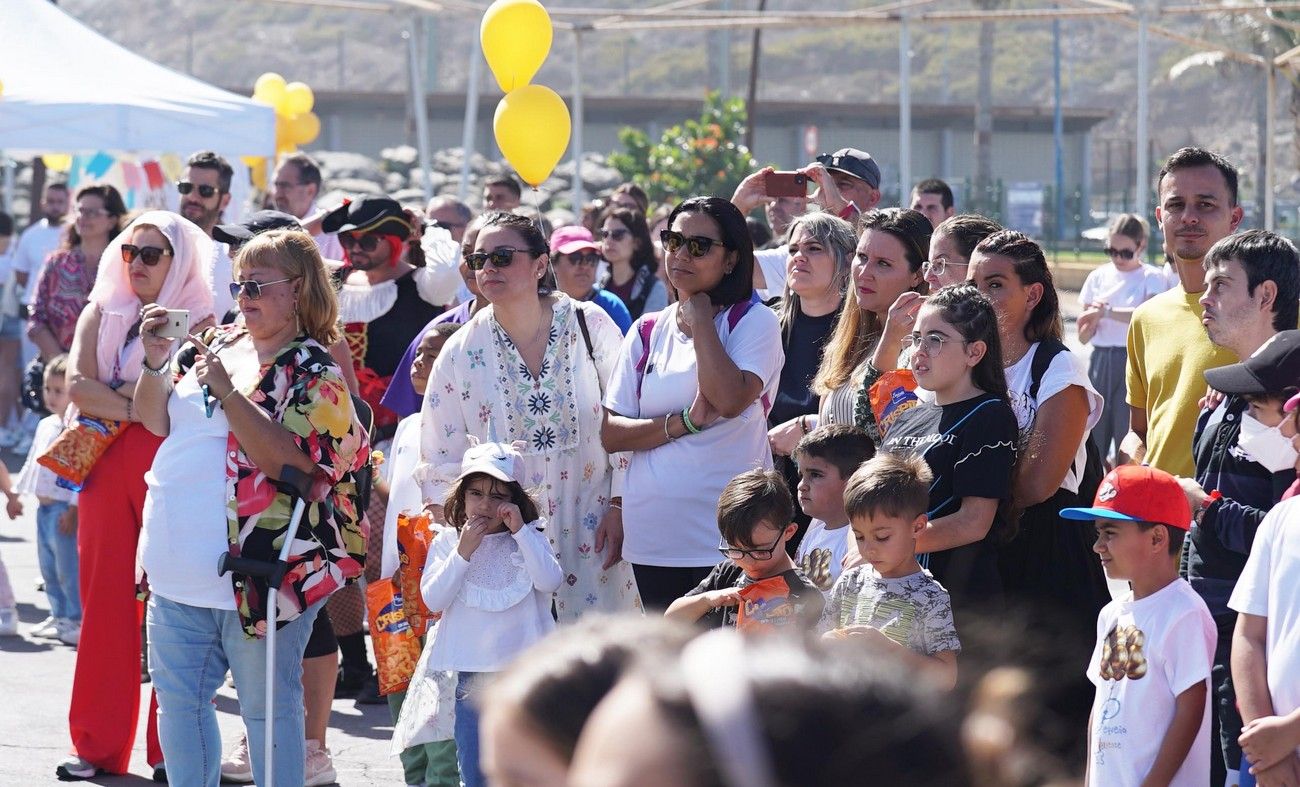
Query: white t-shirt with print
{"points": [[1148, 652], [670, 496], [1268, 588], [1119, 289], [1065, 370], [820, 555]]}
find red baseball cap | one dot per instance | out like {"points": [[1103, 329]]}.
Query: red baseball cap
{"points": [[1138, 493]]}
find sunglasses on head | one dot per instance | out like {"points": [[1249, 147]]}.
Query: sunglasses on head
{"points": [[149, 255], [366, 242], [1123, 254], [614, 235], [696, 245], [205, 191], [500, 258], [253, 288]]}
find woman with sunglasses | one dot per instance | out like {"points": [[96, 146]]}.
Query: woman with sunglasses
{"points": [[69, 273], [625, 244], [530, 369], [236, 405], [575, 258], [159, 259], [1109, 296], [689, 399]]}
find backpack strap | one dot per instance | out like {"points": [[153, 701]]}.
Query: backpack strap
{"points": [[586, 339], [1043, 355], [735, 313], [644, 329]]}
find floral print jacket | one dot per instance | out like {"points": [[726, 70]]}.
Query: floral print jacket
{"points": [[302, 390]]}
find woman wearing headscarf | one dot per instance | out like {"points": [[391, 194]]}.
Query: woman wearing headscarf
{"points": [[160, 258]]}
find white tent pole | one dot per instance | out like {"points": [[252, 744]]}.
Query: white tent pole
{"points": [[417, 103], [904, 110], [1270, 170], [1141, 197], [471, 117], [579, 193]]}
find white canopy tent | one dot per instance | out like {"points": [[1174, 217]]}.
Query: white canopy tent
{"points": [[67, 88]]}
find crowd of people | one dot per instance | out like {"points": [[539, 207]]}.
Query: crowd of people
{"points": [[993, 560]]}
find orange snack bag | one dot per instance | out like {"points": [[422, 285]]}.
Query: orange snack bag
{"points": [[767, 604], [414, 535], [397, 647], [892, 395]]}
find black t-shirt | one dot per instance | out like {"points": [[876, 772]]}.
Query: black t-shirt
{"points": [[803, 354], [388, 336], [970, 447], [805, 596]]}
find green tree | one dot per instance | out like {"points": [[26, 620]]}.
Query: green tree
{"points": [[697, 157]]}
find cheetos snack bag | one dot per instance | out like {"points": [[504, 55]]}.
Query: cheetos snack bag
{"points": [[766, 604], [397, 646], [414, 535]]}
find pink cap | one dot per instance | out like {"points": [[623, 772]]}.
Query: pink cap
{"points": [[567, 240]]}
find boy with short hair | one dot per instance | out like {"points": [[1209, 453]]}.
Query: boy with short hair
{"points": [[755, 519], [1150, 721], [889, 600], [827, 456]]}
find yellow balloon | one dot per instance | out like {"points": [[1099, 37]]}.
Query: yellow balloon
{"points": [[283, 136], [269, 89], [59, 162], [298, 99], [2, 87], [516, 37], [304, 128], [256, 170], [532, 130]]}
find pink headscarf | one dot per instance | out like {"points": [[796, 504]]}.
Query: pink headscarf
{"points": [[188, 286]]}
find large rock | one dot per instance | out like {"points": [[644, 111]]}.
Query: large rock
{"points": [[338, 164], [399, 159]]}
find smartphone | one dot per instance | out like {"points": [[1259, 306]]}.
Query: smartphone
{"points": [[177, 325], [786, 184]]}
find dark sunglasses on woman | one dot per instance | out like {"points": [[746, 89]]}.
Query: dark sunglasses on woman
{"points": [[614, 235], [696, 245], [368, 243], [253, 288], [149, 255], [205, 191], [589, 259], [501, 258], [1123, 254]]}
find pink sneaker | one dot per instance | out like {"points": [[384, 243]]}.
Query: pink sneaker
{"points": [[238, 766], [318, 770]]}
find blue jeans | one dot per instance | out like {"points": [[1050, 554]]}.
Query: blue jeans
{"points": [[57, 555], [190, 649], [466, 730]]}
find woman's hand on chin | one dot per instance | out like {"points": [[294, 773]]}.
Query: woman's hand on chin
{"points": [[697, 309]]}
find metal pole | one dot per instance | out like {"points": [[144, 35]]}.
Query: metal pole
{"points": [[1058, 130], [9, 183], [417, 103], [904, 110], [1270, 109], [1141, 195], [579, 193], [471, 116]]}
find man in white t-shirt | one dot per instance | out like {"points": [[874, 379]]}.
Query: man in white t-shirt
{"points": [[204, 190], [294, 189], [42, 237], [1265, 650]]}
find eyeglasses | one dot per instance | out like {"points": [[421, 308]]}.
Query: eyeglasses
{"points": [[450, 226], [697, 245], [500, 258], [367, 242], [253, 288], [756, 554], [205, 191], [283, 185], [932, 343], [90, 213], [937, 267], [1123, 254], [614, 235], [589, 259], [149, 255]]}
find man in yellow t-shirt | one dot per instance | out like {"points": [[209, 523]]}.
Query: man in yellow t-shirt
{"points": [[1168, 349]]}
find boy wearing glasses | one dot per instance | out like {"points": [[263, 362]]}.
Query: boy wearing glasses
{"points": [[755, 513]]}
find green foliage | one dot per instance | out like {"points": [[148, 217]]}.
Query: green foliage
{"points": [[696, 157]]}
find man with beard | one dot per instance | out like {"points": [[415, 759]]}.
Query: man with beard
{"points": [[204, 190], [294, 190]]}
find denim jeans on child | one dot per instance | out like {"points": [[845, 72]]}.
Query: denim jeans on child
{"points": [[190, 649], [468, 685], [56, 554]]}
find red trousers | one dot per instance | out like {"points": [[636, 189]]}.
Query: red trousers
{"points": [[106, 686]]}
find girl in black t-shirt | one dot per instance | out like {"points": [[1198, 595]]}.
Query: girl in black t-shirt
{"points": [[966, 434]]}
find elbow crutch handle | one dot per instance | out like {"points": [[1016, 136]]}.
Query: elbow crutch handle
{"points": [[297, 485]]}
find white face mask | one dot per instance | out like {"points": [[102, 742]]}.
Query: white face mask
{"points": [[1266, 445]]}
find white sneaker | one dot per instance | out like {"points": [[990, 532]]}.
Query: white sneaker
{"points": [[9, 622], [69, 631], [46, 629], [238, 765], [318, 769]]}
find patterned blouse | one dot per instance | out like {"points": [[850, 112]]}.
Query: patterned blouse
{"points": [[61, 294], [303, 391]]}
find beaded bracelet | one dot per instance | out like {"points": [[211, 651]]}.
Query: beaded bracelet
{"points": [[668, 434]]}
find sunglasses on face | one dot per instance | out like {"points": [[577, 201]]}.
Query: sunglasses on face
{"points": [[614, 235], [367, 243], [1123, 254], [588, 259], [149, 255], [253, 289], [696, 245], [764, 553], [205, 191], [500, 258]]}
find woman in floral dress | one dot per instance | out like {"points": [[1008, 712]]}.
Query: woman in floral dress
{"points": [[531, 368]]}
